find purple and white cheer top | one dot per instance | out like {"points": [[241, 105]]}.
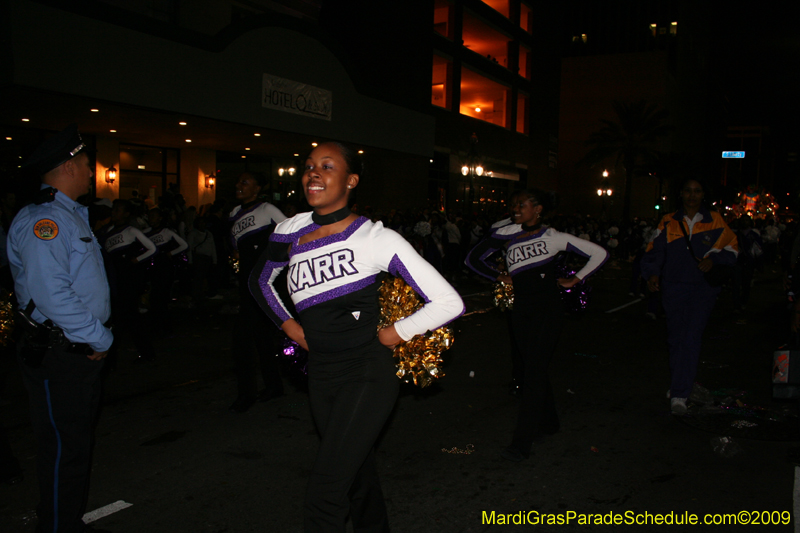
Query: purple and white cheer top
{"points": [[334, 281]]}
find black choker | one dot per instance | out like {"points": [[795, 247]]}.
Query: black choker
{"points": [[330, 218], [531, 228]]}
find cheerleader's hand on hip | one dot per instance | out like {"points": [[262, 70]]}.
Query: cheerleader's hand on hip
{"points": [[388, 337], [568, 283], [294, 331], [505, 278]]}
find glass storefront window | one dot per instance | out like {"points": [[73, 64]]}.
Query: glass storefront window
{"points": [[148, 170], [483, 98]]}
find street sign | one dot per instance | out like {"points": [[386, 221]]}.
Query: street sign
{"points": [[732, 155]]}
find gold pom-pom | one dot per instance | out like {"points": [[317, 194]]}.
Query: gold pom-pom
{"points": [[503, 296], [6, 318], [419, 359]]}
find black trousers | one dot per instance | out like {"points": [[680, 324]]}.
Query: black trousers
{"points": [[125, 310], [536, 332], [254, 347], [64, 397], [162, 276], [351, 396]]}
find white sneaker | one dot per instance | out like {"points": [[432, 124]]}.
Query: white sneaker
{"points": [[678, 406]]}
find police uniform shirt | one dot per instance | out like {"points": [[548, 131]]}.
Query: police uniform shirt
{"points": [[533, 251], [56, 261], [333, 282]]}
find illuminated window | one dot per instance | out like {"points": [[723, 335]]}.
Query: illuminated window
{"points": [[442, 18], [501, 6], [673, 28], [484, 40], [582, 38], [483, 98], [525, 18], [441, 82], [522, 114], [524, 62], [653, 29]]}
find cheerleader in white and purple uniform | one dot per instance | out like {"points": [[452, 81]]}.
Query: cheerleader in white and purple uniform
{"points": [[170, 248], [336, 260], [128, 249], [538, 312]]}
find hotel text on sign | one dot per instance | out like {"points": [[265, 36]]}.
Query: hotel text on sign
{"points": [[294, 97]]}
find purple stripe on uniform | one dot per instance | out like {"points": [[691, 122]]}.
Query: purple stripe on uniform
{"points": [[243, 212], [573, 249], [271, 296], [336, 293], [336, 237], [482, 259], [397, 268], [291, 237]]}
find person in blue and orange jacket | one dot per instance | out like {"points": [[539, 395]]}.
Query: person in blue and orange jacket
{"points": [[680, 273]]}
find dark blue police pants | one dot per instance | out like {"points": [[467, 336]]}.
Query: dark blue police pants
{"points": [[64, 397]]}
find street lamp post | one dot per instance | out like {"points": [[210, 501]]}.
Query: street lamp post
{"points": [[472, 167], [604, 189]]}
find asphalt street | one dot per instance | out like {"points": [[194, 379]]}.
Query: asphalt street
{"points": [[168, 446]]}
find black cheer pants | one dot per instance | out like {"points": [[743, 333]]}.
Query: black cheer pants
{"points": [[254, 347], [64, 397], [351, 396], [536, 332]]}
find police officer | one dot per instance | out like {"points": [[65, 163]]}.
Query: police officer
{"points": [[62, 288]]}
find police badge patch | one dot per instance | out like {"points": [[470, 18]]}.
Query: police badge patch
{"points": [[46, 229]]}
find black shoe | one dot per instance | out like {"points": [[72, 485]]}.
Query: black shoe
{"points": [[241, 405], [513, 454], [267, 396]]}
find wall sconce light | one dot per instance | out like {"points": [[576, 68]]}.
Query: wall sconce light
{"points": [[291, 171], [111, 175], [281, 171], [210, 181]]}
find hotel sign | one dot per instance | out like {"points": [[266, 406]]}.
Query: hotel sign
{"points": [[294, 97], [732, 155]]}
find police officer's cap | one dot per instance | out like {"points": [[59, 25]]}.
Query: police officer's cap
{"points": [[56, 150]]}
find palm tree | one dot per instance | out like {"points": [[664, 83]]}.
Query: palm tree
{"points": [[631, 140]]}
